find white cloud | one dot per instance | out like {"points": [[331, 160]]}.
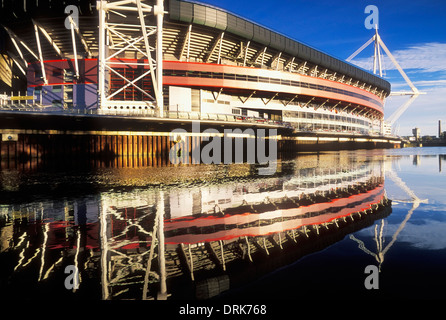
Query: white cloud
{"points": [[428, 84], [427, 57]]}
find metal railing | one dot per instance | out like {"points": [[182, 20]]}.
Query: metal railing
{"points": [[190, 115]]}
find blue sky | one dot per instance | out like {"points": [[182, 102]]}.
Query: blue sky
{"points": [[414, 31]]}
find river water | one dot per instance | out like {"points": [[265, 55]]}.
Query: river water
{"points": [[357, 224]]}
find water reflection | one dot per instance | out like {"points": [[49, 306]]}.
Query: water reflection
{"points": [[417, 159], [216, 234], [379, 237]]}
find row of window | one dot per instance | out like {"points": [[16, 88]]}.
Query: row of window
{"points": [[243, 112], [218, 101], [244, 77], [325, 127], [322, 116]]}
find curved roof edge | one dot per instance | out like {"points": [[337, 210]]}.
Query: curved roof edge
{"points": [[214, 17]]}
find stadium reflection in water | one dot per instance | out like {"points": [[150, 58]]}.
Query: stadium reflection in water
{"points": [[219, 233]]}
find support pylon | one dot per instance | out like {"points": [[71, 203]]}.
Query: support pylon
{"points": [[119, 36], [377, 69]]}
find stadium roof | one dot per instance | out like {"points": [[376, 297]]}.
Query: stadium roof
{"points": [[203, 14]]}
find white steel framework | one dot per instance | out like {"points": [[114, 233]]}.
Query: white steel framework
{"points": [[378, 69], [119, 38]]}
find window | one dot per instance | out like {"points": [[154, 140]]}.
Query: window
{"points": [[253, 78], [205, 74], [57, 89], [178, 73], [195, 97], [235, 111], [240, 77]]}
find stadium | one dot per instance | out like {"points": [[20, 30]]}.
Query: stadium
{"points": [[183, 59]]}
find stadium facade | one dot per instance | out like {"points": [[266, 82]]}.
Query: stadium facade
{"points": [[213, 63]]}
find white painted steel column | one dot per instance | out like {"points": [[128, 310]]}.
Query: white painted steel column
{"points": [[220, 47], [162, 295], [105, 279], [42, 65], [101, 61], [73, 39], [246, 53], [159, 13]]}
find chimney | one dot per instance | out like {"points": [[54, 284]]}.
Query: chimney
{"points": [[439, 129]]}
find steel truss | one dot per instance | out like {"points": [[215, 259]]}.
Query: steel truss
{"points": [[378, 68], [124, 33]]}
